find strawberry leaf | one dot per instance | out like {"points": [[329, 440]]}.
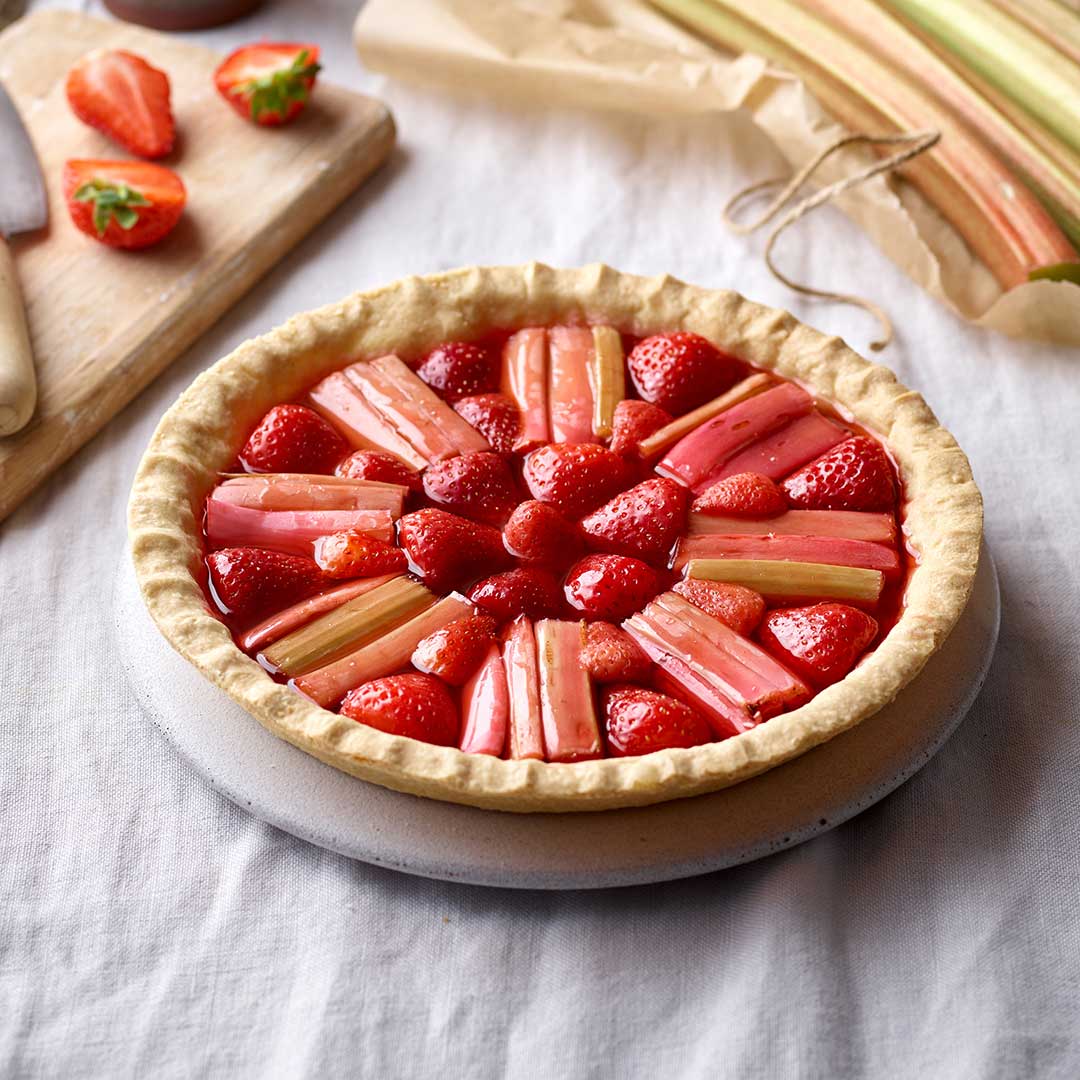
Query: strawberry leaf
{"points": [[111, 201]]}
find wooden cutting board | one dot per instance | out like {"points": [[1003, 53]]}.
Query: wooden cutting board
{"points": [[105, 323]]}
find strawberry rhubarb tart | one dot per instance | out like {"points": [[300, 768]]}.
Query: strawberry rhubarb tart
{"points": [[554, 540]]}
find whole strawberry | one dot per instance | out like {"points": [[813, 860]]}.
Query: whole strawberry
{"points": [[249, 582], [634, 421], [855, 475], [460, 368], [495, 416], [610, 587], [681, 371], [644, 522], [639, 721], [537, 532], [526, 591], [413, 705], [447, 550], [748, 494], [479, 486], [454, 652], [820, 643], [734, 605], [574, 477], [354, 554], [611, 655], [380, 466], [293, 438]]}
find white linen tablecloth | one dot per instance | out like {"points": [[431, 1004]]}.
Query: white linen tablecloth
{"points": [[149, 928]]}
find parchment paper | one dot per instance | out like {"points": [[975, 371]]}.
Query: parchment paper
{"points": [[620, 54]]}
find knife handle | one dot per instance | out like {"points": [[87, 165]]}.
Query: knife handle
{"points": [[18, 384]]}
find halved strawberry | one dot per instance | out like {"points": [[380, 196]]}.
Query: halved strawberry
{"points": [[537, 532], [495, 416], [269, 82], [611, 655], [355, 554], [124, 204], [634, 421], [641, 721], [479, 486], [574, 477], [734, 605], [460, 368], [855, 475], [414, 705], [447, 550], [250, 582], [125, 98], [610, 587], [293, 438], [681, 371], [526, 591], [644, 522], [454, 652], [378, 465], [820, 643], [748, 494]]}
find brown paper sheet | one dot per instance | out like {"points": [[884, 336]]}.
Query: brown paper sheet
{"points": [[621, 54]]}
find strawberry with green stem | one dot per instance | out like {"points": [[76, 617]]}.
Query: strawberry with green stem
{"points": [[268, 83]]}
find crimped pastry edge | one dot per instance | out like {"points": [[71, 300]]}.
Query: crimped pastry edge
{"points": [[203, 431]]}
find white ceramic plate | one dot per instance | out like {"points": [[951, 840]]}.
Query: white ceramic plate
{"points": [[299, 794]]}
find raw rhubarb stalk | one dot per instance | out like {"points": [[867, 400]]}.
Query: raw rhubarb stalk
{"points": [[298, 492], [347, 627], [780, 580], [833, 550], [567, 712], [793, 446], [524, 737], [485, 707], [607, 375], [1047, 18], [524, 379], [292, 618], [671, 433], [570, 396], [338, 400], [289, 531], [462, 435], [383, 656], [853, 524], [698, 459]]}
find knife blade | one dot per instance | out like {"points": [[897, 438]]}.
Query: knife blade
{"points": [[23, 204]]}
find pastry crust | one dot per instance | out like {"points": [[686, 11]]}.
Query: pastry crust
{"points": [[203, 431]]}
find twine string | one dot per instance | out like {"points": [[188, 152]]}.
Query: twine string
{"points": [[912, 144]]}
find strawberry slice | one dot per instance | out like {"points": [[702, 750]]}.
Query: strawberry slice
{"points": [[856, 475], [644, 522], [526, 591], [478, 486], [610, 587], [681, 371], [734, 605], [446, 550], [380, 466], [634, 421], [247, 583], [416, 706], [354, 554], [293, 438], [125, 98], [574, 477], [820, 643], [495, 416], [454, 652], [124, 204], [641, 721], [611, 655], [538, 533], [268, 83], [460, 368], [746, 494]]}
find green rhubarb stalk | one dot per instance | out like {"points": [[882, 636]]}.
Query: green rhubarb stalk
{"points": [[1056, 25], [607, 374], [792, 580]]}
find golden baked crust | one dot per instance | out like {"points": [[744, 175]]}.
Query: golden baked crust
{"points": [[203, 431]]}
